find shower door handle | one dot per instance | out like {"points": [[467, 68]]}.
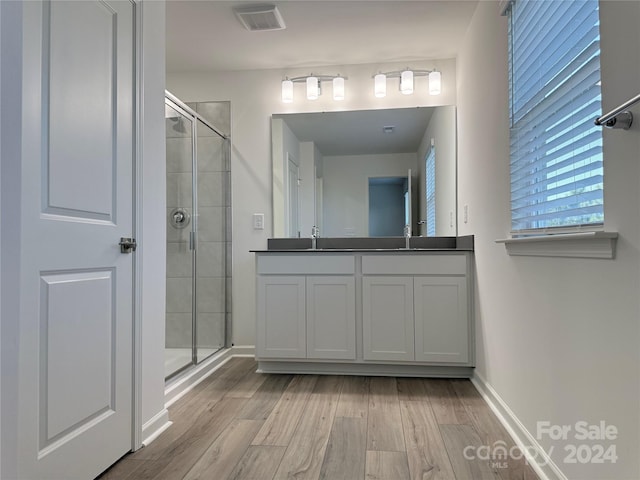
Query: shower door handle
{"points": [[193, 242], [127, 245]]}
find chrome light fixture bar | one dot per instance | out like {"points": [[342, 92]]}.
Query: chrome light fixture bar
{"points": [[407, 81], [313, 86]]}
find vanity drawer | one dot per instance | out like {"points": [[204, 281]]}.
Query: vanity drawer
{"points": [[414, 264], [316, 264]]}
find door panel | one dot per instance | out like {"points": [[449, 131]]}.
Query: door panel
{"points": [[387, 318], [331, 317], [76, 323], [81, 114], [281, 325], [62, 318], [442, 325]]}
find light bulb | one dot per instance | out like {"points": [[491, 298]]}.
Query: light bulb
{"points": [[338, 88], [435, 83], [406, 82], [312, 88], [380, 85], [287, 91]]}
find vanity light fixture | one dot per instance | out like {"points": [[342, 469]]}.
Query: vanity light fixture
{"points": [[407, 81], [314, 86], [380, 85]]}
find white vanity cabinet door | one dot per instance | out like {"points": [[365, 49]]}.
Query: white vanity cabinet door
{"points": [[331, 317], [387, 318], [441, 319], [281, 326]]}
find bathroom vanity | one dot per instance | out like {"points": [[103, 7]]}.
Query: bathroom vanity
{"points": [[370, 306]]}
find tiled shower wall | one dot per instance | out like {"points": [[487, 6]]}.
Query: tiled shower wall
{"points": [[213, 267]]}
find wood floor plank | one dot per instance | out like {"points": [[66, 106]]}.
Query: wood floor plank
{"points": [[412, 389], [224, 377], [187, 449], [123, 469], [446, 406], [225, 383], [426, 453], [456, 439], [263, 401], [194, 404], [214, 424], [146, 470], [258, 462], [220, 459], [279, 426], [303, 458], [354, 398], [182, 424], [248, 384], [491, 432], [344, 457], [384, 426], [386, 465]]}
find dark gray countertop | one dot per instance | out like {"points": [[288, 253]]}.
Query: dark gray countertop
{"points": [[370, 244]]}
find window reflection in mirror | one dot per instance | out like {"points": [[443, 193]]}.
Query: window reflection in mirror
{"points": [[325, 165]]}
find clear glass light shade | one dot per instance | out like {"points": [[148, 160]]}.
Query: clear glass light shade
{"points": [[338, 88], [287, 91], [435, 83], [406, 82], [312, 88], [380, 85]]}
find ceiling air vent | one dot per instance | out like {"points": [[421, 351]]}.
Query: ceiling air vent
{"points": [[260, 18]]}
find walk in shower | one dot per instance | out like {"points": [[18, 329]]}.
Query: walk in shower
{"points": [[198, 232]]}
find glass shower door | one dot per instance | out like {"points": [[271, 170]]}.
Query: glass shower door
{"points": [[180, 263], [210, 255]]}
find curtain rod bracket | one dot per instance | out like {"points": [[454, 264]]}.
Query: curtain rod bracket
{"points": [[619, 117], [622, 120]]}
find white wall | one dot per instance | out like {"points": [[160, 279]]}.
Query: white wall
{"points": [[153, 224], [345, 209], [442, 129], [287, 146], [255, 96], [557, 339], [307, 193]]}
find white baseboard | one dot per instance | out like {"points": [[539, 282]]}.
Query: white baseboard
{"points": [[154, 427], [387, 370], [243, 351], [544, 467], [178, 387]]}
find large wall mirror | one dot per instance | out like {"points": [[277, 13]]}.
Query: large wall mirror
{"points": [[365, 173]]}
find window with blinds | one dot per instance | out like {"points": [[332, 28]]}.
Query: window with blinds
{"points": [[556, 150], [430, 169]]}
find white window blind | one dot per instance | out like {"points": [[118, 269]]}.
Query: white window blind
{"points": [[556, 150], [430, 169]]}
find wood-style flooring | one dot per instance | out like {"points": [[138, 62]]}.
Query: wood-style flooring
{"points": [[239, 424]]}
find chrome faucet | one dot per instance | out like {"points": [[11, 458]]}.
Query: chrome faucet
{"points": [[315, 233], [407, 235]]}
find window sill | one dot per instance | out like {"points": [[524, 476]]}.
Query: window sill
{"points": [[573, 245]]}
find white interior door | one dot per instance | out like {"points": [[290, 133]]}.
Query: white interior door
{"points": [[75, 385]]}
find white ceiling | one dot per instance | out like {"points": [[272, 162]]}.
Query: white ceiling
{"points": [[361, 132], [206, 36]]}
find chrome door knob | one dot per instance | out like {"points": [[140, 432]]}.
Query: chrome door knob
{"points": [[127, 245]]}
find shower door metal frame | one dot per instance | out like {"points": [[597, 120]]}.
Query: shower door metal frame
{"points": [[182, 108]]}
